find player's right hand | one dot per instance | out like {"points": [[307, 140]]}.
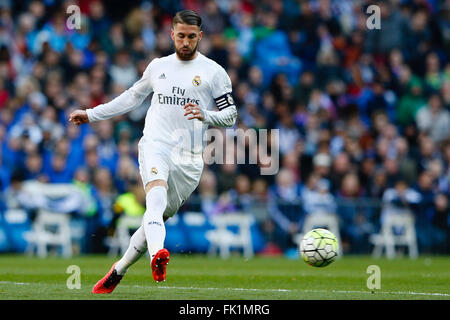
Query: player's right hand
{"points": [[79, 117]]}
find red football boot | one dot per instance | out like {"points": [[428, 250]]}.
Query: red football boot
{"points": [[159, 263], [108, 283]]}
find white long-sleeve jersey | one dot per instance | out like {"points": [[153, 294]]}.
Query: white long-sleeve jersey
{"points": [[175, 83]]}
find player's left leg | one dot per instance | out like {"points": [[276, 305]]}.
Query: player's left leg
{"points": [[135, 250]]}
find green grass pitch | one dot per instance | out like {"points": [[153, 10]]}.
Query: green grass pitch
{"points": [[195, 277]]}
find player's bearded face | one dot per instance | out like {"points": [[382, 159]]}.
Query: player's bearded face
{"points": [[186, 39], [185, 52]]}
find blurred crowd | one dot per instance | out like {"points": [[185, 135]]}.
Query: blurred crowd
{"points": [[363, 114]]}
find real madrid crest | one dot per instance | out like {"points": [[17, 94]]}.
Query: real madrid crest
{"points": [[230, 99], [196, 81]]}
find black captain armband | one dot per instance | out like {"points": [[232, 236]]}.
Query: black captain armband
{"points": [[224, 101]]}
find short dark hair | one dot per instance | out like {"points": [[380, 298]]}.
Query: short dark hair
{"points": [[189, 17]]}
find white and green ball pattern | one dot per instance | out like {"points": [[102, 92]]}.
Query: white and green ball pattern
{"points": [[319, 247]]}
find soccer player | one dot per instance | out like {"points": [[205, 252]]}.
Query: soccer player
{"points": [[186, 87]]}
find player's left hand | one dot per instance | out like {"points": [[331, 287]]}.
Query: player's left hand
{"points": [[194, 110]]}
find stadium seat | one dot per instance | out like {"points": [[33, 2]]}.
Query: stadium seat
{"points": [[222, 239], [196, 226], [52, 225], [4, 243], [324, 220], [16, 224], [78, 235], [397, 228], [119, 242], [176, 235], [50, 228]]}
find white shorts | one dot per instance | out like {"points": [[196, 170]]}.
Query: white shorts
{"points": [[181, 172]]}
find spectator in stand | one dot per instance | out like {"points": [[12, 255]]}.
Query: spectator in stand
{"points": [[433, 72], [208, 192], [445, 90], [90, 210], [213, 19], [33, 167], [131, 203], [392, 35], [107, 148], [433, 119], [392, 171], [226, 177], [399, 199], [318, 199], [411, 101], [289, 134], [126, 171], [427, 152], [424, 211], [322, 165], [341, 166], [105, 196], [237, 199], [285, 209], [446, 169], [407, 164], [436, 171], [441, 223], [355, 216], [28, 128], [123, 72], [58, 171]]}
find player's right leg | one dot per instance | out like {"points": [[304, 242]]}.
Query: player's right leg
{"points": [[155, 230], [180, 184], [154, 170]]}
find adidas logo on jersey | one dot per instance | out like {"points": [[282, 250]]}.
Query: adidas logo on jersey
{"points": [[162, 76]]}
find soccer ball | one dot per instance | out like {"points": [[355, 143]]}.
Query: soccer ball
{"points": [[319, 247]]}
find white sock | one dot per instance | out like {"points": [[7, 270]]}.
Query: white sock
{"points": [[137, 247], [153, 222]]}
